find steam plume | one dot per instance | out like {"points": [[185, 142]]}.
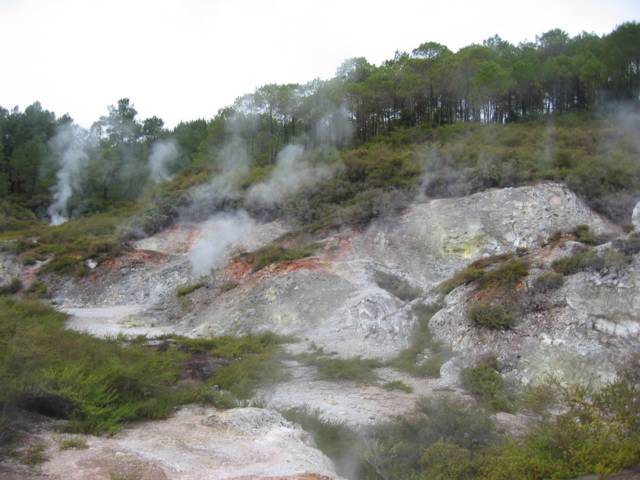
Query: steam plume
{"points": [[163, 153], [221, 232], [70, 144]]}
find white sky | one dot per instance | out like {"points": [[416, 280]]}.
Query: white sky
{"points": [[183, 60]]}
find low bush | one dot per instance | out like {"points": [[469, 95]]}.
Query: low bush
{"points": [[188, 289], [580, 261], [486, 383], [493, 317], [340, 443], [584, 234], [396, 286], [99, 384], [13, 287], [355, 369], [73, 443], [476, 271], [228, 286], [547, 282], [398, 385], [275, 254]]}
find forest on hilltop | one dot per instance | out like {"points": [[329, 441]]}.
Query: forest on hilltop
{"points": [[405, 98]]}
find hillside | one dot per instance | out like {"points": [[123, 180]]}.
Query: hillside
{"points": [[423, 269]]}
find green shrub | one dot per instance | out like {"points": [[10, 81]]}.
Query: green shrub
{"points": [[547, 282], [580, 261], [99, 384], [398, 385], [487, 384], [396, 286], [188, 289], [447, 461], [477, 270], [13, 287], [493, 317], [73, 443], [584, 235], [37, 290], [355, 369], [340, 443], [227, 286], [275, 253]]}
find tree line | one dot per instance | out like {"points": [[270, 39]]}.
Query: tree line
{"points": [[492, 82]]}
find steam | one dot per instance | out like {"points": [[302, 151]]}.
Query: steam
{"points": [[220, 233], [163, 153], [335, 128], [292, 172], [71, 145]]}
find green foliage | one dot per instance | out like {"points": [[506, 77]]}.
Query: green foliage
{"points": [[33, 455], [408, 360], [487, 384], [493, 317], [580, 261], [477, 270], [14, 286], [398, 385], [355, 369], [447, 461], [334, 439], [396, 286], [276, 253], [73, 443], [188, 289], [547, 282], [227, 286], [584, 235], [98, 384]]}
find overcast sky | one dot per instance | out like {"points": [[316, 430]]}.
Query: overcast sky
{"points": [[185, 59]]}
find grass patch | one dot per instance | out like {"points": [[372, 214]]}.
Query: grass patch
{"points": [[99, 384], [355, 369], [396, 286], [73, 444], [475, 271], [398, 385], [409, 360], [33, 455], [188, 289], [276, 253]]}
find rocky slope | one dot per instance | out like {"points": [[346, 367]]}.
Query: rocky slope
{"points": [[334, 300]]}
